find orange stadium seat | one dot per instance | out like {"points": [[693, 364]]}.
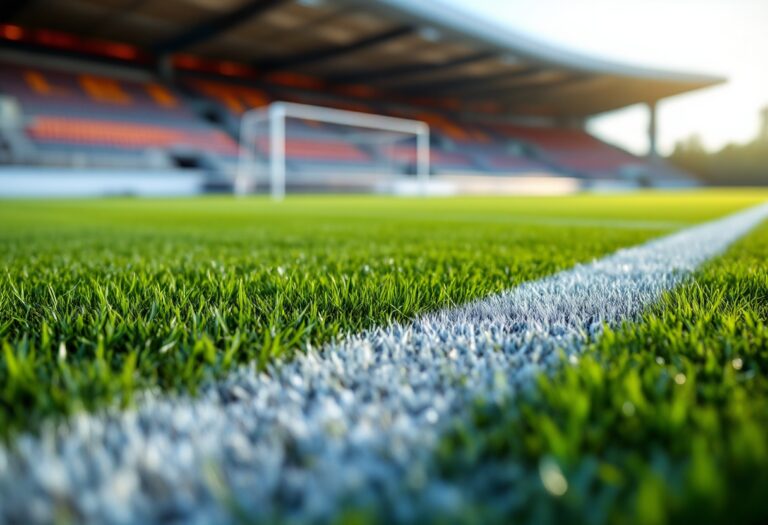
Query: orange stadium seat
{"points": [[234, 97], [104, 90]]}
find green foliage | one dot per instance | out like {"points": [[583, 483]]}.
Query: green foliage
{"points": [[665, 421], [733, 165]]}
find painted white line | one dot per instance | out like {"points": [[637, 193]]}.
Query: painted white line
{"points": [[356, 423]]}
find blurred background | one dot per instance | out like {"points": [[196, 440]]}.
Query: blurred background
{"points": [[139, 97], [707, 35]]}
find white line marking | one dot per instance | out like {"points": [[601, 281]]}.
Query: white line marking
{"points": [[356, 422]]}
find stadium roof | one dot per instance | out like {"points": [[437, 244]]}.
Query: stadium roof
{"points": [[410, 48]]}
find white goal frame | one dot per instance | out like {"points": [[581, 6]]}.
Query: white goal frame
{"points": [[275, 116]]}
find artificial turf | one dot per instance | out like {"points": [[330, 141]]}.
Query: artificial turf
{"points": [[661, 421], [101, 298]]}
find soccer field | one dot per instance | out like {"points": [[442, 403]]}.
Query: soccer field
{"points": [[661, 415]]}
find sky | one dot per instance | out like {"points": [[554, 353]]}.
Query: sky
{"points": [[722, 37]]}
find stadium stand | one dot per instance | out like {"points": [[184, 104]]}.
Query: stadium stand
{"points": [[170, 94], [573, 150], [105, 121]]}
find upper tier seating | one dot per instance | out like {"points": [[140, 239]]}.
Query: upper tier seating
{"points": [[235, 98], [459, 133], [91, 113]]}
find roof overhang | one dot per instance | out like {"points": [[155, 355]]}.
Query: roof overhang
{"points": [[405, 49], [579, 85]]}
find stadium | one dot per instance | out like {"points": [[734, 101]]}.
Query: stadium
{"points": [[346, 261], [151, 103]]}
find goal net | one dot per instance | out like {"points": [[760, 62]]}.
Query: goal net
{"points": [[298, 145]]}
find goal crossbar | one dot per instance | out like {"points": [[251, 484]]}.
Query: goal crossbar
{"points": [[275, 116]]}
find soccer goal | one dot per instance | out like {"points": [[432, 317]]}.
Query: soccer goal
{"points": [[326, 148]]}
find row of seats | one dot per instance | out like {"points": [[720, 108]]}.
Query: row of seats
{"points": [[82, 109], [316, 150], [128, 136]]}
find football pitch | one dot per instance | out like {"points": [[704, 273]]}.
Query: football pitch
{"points": [[124, 314]]}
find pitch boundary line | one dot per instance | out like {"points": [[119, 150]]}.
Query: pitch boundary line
{"points": [[357, 422]]}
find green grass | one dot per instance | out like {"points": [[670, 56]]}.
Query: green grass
{"points": [[102, 298], [664, 421]]}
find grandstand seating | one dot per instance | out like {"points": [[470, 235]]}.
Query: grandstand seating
{"points": [[326, 150], [406, 154], [90, 114], [573, 150], [119, 135], [308, 145], [464, 147], [93, 114], [235, 98], [461, 133], [474, 148], [509, 163]]}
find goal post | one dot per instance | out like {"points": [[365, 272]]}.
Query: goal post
{"points": [[271, 121]]}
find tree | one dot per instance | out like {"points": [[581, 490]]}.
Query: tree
{"points": [[733, 165]]}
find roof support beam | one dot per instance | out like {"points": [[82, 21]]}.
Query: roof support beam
{"points": [[373, 75], [514, 97], [653, 127], [215, 26], [319, 55], [469, 85]]}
